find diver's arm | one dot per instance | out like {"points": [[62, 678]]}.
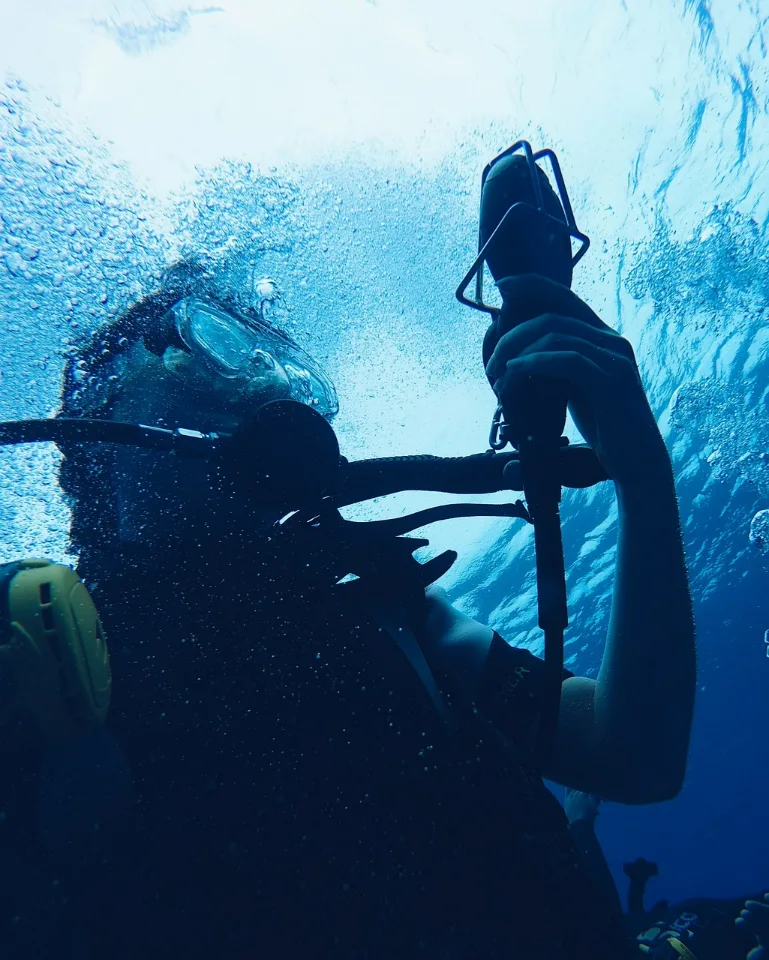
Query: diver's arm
{"points": [[626, 735]]}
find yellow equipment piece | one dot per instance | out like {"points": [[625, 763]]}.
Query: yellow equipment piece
{"points": [[681, 950], [53, 648]]}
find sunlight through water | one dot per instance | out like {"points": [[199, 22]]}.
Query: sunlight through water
{"points": [[338, 147]]}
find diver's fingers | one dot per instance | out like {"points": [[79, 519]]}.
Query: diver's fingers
{"points": [[546, 332], [757, 953], [601, 349], [755, 917], [529, 295], [758, 910], [746, 913], [580, 369]]}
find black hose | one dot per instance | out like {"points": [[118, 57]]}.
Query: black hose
{"points": [[66, 430], [477, 473]]}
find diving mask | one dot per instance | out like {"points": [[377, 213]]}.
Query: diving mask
{"points": [[240, 355]]}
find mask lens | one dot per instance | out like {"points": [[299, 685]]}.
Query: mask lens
{"points": [[229, 344], [262, 358]]}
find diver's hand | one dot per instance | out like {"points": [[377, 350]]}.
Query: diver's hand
{"points": [[754, 918], [545, 330], [580, 806]]}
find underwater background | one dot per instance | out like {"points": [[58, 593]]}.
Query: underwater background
{"points": [[338, 147]]}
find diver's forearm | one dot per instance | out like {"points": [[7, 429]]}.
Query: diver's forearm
{"points": [[645, 694]]}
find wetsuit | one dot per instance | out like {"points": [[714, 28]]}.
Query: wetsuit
{"points": [[300, 795]]}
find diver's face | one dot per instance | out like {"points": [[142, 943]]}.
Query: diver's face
{"points": [[160, 494]]}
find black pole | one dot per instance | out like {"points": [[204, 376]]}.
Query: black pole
{"points": [[539, 467], [526, 227]]}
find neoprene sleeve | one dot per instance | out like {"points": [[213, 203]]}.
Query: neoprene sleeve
{"points": [[510, 690]]}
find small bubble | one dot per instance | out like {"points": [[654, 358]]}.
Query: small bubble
{"points": [[14, 263], [759, 531]]}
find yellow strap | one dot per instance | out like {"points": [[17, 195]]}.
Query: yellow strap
{"points": [[680, 949]]}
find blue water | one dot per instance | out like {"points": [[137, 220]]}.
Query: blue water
{"points": [[659, 117]]}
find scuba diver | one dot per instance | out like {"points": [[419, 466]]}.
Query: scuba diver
{"points": [[330, 758], [697, 929], [704, 928]]}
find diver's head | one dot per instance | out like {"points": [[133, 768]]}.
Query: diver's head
{"points": [[189, 355]]}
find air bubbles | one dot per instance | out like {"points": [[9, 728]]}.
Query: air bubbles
{"points": [[265, 289], [14, 263], [759, 531]]}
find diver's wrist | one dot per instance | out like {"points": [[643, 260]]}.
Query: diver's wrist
{"points": [[653, 477]]}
